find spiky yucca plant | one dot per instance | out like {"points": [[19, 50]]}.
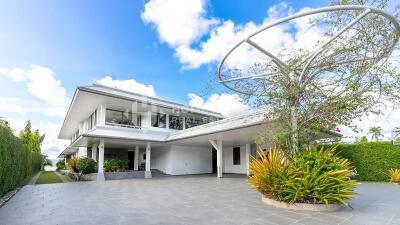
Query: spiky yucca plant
{"points": [[267, 170], [394, 175], [314, 176], [318, 176]]}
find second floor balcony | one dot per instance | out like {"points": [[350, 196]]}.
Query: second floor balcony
{"points": [[122, 119]]}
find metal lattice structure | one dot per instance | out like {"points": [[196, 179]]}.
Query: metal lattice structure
{"points": [[253, 78]]}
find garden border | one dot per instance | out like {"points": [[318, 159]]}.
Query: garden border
{"points": [[301, 206]]}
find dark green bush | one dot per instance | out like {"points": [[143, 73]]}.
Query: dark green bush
{"points": [[60, 164], [123, 165], [16, 161], [372, 160], [114, 165], [86, 165]]}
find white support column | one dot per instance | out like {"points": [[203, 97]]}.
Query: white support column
{"points": [[136, 162], [94, 152], [248, 159], [101, 114], [100, 170], [147, 173], [167, 121], [218, 146]]}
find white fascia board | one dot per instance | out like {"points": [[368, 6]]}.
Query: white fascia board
{"points": [[67, 114], [113, 92]]}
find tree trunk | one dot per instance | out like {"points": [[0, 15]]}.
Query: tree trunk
{"points": [[294, 130]]}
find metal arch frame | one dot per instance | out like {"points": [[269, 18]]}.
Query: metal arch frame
{"points": [[282, 66]]}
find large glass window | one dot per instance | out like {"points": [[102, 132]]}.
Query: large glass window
{"points": [[192, 122], [123, 118], [175, 122], [159, 120]]}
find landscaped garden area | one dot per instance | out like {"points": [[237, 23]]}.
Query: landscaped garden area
{"points": [[326, 174], [48, 177]]}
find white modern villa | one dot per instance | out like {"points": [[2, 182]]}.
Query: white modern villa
{"points": [[154, 134]]}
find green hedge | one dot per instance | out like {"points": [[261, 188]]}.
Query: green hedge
{"points": [[372, 160], [16, 161]]}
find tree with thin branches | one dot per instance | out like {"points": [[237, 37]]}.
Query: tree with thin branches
{"points": [[306, 91]]}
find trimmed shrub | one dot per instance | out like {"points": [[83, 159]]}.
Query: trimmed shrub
{"points": [[16, 161], [315, 176], [60, 164], [371, 160], [86, 165], [123, 165], [72, 164], [114, 165]]}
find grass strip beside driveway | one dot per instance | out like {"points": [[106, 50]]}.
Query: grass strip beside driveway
{"points": [[48, 177]]}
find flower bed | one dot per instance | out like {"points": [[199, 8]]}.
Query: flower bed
{"points": [[311, 177]]}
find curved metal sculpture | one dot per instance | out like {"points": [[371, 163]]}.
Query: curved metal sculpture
{"points": [[233, 78]]}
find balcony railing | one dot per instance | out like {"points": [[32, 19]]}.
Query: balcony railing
{"points": [[123, 125]]}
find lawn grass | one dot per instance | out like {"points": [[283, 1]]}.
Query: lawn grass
{"points": [[48, 177]]}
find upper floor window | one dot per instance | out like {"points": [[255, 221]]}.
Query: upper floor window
{"points": [[159, 120], [124, 118], [92, 120], [192, 122], [176, 122]]}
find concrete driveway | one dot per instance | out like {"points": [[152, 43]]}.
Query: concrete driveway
{"points": [[183, 200]]}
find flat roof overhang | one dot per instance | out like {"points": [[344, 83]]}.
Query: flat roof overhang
{"points": [[86, 100], [68, 151]]}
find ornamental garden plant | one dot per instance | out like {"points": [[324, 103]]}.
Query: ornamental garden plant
{"points": [[86, 165], [315, 176], [115, 165]]}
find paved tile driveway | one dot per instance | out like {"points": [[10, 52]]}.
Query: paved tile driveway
{"points": [[183, 200]]}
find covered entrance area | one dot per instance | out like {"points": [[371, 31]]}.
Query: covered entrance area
{"points": [[136, 153], [231, 148]]}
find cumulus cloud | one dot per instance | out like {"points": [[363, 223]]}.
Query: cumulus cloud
{"points": [[388, 121], [40, 81], [178, 22], [128, 85], [49, 98], [226, 104], [182, 30], [52, 146]]}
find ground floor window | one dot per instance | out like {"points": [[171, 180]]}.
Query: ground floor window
{"points": [[236, 156]]}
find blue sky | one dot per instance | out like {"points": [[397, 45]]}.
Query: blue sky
{"points": [[48, 48]]}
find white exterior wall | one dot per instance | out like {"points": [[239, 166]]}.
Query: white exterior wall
{"points": [[82, 152], [190, 160], [180, 160], [228, 166], [160, 158]]}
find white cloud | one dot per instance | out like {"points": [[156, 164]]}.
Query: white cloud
{"points": [[49, 99], [41, 82], [178, 22], [226, 104], [52, 146], [172, 20], [388, 121], [26, 106], [128, 85]]}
